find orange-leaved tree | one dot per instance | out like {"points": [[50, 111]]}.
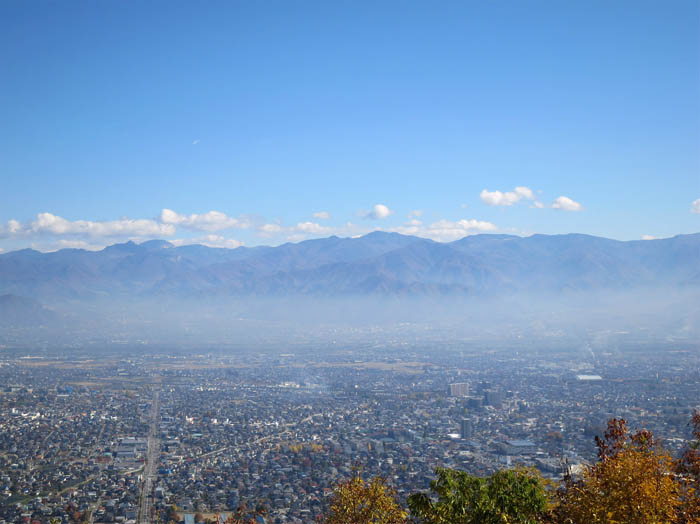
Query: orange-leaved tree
{"points": [[632, 483], [688, 471]]}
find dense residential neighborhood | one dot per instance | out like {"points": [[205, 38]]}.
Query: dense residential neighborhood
{"points": [[280, 430]]}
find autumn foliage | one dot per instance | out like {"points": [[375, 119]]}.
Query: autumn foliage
{"points": [[688, 473], [632, 483], [635, 481], [364, 502]]}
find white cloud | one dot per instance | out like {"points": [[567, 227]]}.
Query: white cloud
{"points": [[416, 213], [300, 231], [312, 228], [10, 229], [525, 192], [496, 198], [210, 240], [13, 226], [380, 211], [304, 230], [211, 221], [446, 230], [695, 207], [87, 234], [296, 237], [322, 215], [196, 141], [353, 230], [648, 237], [566, 204], [50, 224], [267, 230], [47, 223], [65, 243], [508, 198], [537, 204]]}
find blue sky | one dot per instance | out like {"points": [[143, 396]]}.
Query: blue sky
{"points": [[263, 122]]}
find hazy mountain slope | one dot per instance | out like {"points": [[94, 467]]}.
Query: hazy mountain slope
{"points": [[282, 269], [586, 262], [16, 311], [378, 263]]}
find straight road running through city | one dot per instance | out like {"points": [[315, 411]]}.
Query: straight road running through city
{"points": [[152, 457]]}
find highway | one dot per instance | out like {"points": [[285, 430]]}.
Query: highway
{"points": [[151, 465]]}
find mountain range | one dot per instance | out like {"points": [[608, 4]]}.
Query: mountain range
{"points": [[375, 264]]}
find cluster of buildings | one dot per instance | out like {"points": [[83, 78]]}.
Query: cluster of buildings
{"points": [[59, 441], [278, 431]]}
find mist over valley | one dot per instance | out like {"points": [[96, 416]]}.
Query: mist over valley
{"points": [[398, 288]]}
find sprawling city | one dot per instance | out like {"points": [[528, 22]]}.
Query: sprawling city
{"points": [[156, 438], [349, 262]]}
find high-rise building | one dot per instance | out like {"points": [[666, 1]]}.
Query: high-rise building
{"points": [[493, 397], [475, 403], [466, 428], [459, 389]]}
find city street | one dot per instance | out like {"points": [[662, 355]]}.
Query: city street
{"points": [[150, 467]]}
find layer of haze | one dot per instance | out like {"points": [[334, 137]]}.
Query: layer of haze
{"points": [[563, 321]]}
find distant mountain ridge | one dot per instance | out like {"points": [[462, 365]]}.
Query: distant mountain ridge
{"points": [[376, 264]]}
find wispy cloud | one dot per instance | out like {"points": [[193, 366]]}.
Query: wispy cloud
{"points": [[322, 215]]}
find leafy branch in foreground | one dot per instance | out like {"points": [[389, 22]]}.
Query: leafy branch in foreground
{"points": [[635, 481], [516, 496]]}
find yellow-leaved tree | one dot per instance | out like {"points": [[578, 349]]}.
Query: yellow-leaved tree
{"points": [[357, 501], [688, 474], [632, 483]]}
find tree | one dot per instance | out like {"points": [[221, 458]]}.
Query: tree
{"points": [[516, 496], [359, 502], [688, 470], [633, 483]]}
